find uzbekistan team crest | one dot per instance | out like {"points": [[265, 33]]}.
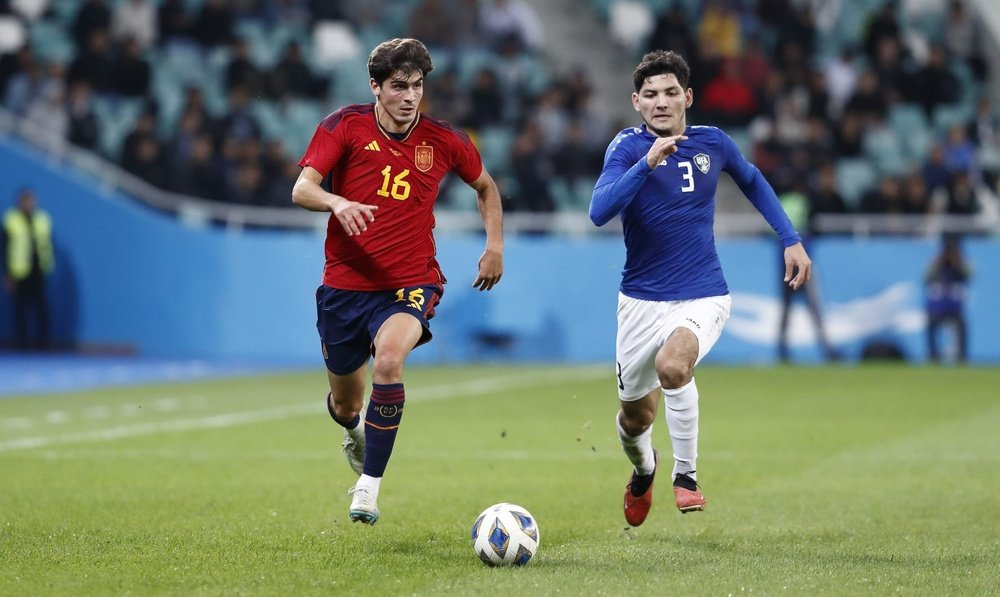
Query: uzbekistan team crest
{"points": [[423, 157], [703, 162]]}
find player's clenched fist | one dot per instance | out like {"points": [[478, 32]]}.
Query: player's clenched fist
{"points": [[662, 147]]}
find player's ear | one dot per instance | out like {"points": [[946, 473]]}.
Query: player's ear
{"points": [[690, 97], [635, 101], [374, 86]]}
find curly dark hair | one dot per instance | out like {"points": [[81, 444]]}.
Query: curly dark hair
{"points": [[660, 62], [404, 55]]}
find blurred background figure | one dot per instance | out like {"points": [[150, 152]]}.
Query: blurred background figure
{"points": [[947, 278], [796, 204], [28, 260]]}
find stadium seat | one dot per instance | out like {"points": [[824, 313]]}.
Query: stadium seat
{"points": [[854, 177], [50, 42]]}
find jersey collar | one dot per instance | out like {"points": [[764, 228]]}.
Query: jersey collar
{"points": [[391, 136]]}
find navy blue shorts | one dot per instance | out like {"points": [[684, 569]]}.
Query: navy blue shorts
{"points": [[348, 320]]}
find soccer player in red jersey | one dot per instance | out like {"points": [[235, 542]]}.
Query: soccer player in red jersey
{"points": [[383, 163]]}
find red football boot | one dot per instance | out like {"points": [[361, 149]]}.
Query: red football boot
{"points": [[687, 495], [637, 506]]}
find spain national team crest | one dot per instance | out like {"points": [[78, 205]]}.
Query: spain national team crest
{"points": [[703, 162], [423, 157]]}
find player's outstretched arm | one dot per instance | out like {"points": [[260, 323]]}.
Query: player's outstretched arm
{"points": [[797, 264], [491, 261], [308, 194]]}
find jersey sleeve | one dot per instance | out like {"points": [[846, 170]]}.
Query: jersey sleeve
{"points": [[467, 163], [328, 145], [621, 178], [758, 191]]}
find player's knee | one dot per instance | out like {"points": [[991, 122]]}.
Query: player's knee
{"points": [[345, 411], [388, 366], [636, 422], [673, 373]]}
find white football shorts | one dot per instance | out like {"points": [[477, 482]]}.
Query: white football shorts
{"points": [[643, 327]]}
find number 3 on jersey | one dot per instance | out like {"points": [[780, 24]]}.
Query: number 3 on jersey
{"points": [[688, 176], [400, 189]]}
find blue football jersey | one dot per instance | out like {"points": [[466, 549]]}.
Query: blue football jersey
{"points": [[668, 213]]}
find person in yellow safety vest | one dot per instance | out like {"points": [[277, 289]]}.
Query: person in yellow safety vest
{"points": [[27, 261]]}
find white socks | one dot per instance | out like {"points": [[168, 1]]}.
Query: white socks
{"points": [[371, 483], [682, 420], [639, 449]]}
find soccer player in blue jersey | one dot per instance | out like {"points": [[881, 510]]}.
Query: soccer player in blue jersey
{"points": [[673, 300]]}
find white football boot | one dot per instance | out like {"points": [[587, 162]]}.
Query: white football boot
{"points": [[363, 506]]}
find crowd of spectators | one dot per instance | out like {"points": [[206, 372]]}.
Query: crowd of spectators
{"points": [[225, 155], [763, 70], [760, 70]]}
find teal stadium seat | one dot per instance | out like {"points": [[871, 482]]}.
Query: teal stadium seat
{"points": [[854, 177], [883, 148], [50, 42]]}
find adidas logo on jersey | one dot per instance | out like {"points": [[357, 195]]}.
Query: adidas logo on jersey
{"points": [[373, 146]]}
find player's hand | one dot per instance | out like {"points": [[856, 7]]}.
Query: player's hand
{"points": [[490, 270], [797, 264], [354, 216], [662, 147]]}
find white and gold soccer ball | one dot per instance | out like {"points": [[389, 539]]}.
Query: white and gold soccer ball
{"points": [[505, 534]]}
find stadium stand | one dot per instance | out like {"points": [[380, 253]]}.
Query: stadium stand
{"points": [[241, 86]]}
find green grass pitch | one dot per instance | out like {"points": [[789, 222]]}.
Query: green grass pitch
{"points": [[864, 480]]}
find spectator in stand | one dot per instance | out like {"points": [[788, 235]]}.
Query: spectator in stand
{"points": [[891, 69], [135, 19], [175, 24], [672, 31], [935, 171], [179, 148], [755, 65], [83, 126], [885, 24], [25, 84], [720, 26], [841, 80], [960, 153], [533, 171], [868, 101], [93, 15], [886, 198], [448, 97], [935, 84], [214, 26], [238, 123], [916, 199], [962, 198], [292, 77], [145, 126], [132, 72], [147, 162], [728, 100], [94, 64], [486, 102], [961, 39], [503, 19], [824, 197], [48, 113], [197, 174], [433, 22], [242, 72]]}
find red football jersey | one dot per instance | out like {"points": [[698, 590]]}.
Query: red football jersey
{"points": [[368, 165]]}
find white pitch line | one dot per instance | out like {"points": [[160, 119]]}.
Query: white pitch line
{"points": [[221, 421]]}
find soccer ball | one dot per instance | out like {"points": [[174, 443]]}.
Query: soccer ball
{"points": [[505, 534]]}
